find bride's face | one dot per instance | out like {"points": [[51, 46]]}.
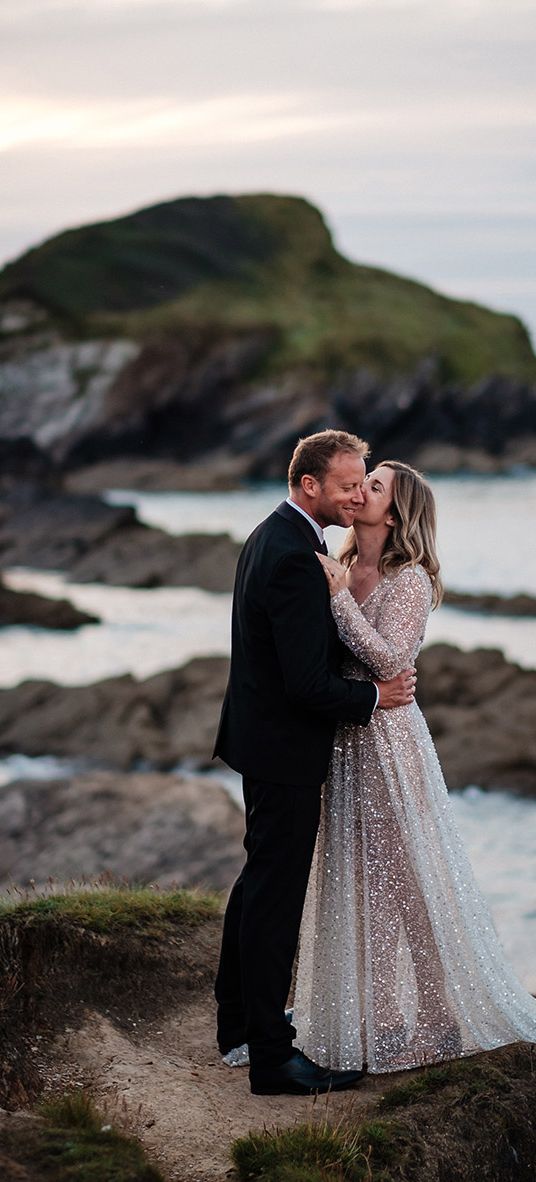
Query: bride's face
{"points": [[377, 496]]}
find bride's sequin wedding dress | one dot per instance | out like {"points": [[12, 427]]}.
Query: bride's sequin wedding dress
{"points": [[399, 961]]}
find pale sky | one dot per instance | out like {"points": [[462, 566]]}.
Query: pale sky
{"points": [[411, 123]]}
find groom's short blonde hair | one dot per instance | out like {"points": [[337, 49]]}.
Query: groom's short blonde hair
{"points": [[312, 455]]}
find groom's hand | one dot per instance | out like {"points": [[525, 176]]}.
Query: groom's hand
{"points": [[400, 691]]}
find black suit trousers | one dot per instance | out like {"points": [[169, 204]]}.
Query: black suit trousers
{"points": [[262, 920]]}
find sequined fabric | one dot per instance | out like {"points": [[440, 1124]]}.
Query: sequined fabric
{"points": [[399, 961]]}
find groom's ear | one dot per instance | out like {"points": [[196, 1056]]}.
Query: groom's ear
{"points": [[309, 485]]}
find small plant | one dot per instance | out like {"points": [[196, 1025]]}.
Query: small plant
{"points": [[71, 1142]]}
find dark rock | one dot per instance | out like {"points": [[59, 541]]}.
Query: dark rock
{"points": [[23, 607], [146, 827], [480, 709], [97, 542], [219, 472], [479, 706], [122, 722], [23, 463], [155, 558], [53, 532], [493, 605]]}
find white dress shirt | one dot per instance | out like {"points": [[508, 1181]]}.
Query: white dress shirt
{"points": [[317, 528]]}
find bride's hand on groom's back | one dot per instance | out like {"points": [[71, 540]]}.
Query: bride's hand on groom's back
{"points": [[399, 691]]}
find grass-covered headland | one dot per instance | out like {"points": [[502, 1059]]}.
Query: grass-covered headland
{"points": [[204, 268], [469, 1121]]}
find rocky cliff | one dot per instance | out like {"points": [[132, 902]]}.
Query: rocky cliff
{"points": [[212, 332]]}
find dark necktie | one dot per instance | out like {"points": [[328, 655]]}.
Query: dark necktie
{"points": [[323, 548]]}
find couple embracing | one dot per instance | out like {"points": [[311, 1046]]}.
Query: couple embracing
{"points": [[351, 846]]}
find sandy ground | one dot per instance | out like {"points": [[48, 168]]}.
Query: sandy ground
{"points": [[166, 1083]]}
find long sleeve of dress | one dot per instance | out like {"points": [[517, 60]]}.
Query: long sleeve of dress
{"points": [[394, 646]]}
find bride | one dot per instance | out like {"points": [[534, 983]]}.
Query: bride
{"points": [[399, 961]]}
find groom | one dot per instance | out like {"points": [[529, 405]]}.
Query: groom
{"points": [[284, 698]]}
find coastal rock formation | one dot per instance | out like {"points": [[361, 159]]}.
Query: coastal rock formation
{"points": [[493, 605], [24, 607], [54, 392], [144, 826], [480, 709], [208, 334], [479, 706], [96, 542], [120, 722]]}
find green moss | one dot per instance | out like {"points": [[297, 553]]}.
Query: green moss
{"points": [[227, 264], [111, 908], [72, 1143]]}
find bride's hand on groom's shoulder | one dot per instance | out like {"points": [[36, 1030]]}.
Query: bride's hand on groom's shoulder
{"points": [[334, 572]]}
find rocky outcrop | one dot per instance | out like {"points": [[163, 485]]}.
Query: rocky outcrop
{"points": [[218, 472], [211, 421], [145, 827], [211, 333], [121, 722], [23, 607], [53, 392], [96, 542], [480, 709], [492, 605]]}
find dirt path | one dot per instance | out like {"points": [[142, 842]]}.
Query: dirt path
{"points": [[167, 1084]]}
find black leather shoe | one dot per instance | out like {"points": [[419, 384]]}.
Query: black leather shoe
{"points": [[299, 1076]]}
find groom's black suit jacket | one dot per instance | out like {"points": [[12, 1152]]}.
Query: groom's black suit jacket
{"points": [[285, 693]]}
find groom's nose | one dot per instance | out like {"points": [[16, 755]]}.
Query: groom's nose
{"points": [[358, 497]]}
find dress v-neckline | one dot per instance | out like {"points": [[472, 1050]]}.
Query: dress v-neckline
{"points": [[370, 594]]}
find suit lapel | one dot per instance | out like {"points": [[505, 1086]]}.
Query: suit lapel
{"points": [[300, 522]]}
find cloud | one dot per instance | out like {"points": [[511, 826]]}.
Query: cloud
{"points": [[255, 118]]}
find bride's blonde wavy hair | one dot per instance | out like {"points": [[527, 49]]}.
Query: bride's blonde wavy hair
{"points": [[412, 539]]}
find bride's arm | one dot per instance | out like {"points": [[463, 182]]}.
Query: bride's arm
{"points": [[390, 648]]}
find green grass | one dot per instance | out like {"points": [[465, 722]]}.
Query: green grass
{"points": [[231, 264], [73, 1143], [108, 909], [317, 1153], [465, 1121]]}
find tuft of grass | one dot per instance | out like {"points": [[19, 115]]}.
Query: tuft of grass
{"points": [[318, 1152], [464, 1122], [71, 1142], [107, 909]]}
